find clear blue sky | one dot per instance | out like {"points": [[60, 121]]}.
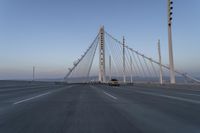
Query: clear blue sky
{"points": [[51, 34]]}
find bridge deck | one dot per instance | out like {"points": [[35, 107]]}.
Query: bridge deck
{"points": [[48, 108]]}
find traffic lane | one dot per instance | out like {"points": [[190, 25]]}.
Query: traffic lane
{"points": [[8, 100], [74, 110], [96, 114], [174, 113], [168, 97], [21, 84], [19, 111], [187, 94], [41, 93], [169, 86], [7, 85], [20, 88], [180, 88], [10, 96]]}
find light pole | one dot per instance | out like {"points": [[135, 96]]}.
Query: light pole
{"points": [[171, 61], [124, 62], [110, 70], [131, 63], [160, 63], [33, 73]]}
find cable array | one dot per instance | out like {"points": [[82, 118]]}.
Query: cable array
{"points": [[146, 69], [138, 67], [80, 72]]}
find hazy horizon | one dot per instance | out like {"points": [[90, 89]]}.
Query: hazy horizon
{"points": [[50, 35]]}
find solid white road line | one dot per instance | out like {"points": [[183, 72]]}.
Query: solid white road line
{"points": [[110, 95], [170, 97], [32, 98]]}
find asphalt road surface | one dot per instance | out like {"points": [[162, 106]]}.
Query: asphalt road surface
{"points": [[87, 108]]}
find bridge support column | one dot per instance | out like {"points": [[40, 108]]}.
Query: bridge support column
{"points": [[124, 61], [102, 75], [160, 63]]}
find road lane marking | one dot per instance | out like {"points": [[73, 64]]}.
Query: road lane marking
{"points": [[110, 95], [32, 98], [189, 94], [182, 93], [170, 97], [113, 97]]}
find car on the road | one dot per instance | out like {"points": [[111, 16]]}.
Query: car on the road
{"points": [[113, 82]]}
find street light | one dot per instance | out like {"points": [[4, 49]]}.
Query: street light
{"points": [[171, 61], [170, 8]]}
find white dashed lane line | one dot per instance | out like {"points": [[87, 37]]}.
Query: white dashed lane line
{"points": [[110, 95], [21, 101], [34, 97]]}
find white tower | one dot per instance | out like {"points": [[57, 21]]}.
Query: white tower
{"points": [[102, 75], [171, 61]]}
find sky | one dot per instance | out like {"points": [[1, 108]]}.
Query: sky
{"points": [[51, 34]]}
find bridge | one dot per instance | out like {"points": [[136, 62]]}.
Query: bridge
{"points": [[152, 97], [74, 107], [108, 58]]}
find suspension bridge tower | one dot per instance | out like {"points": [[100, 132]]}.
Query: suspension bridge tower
{"points": [[102, 74]]}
